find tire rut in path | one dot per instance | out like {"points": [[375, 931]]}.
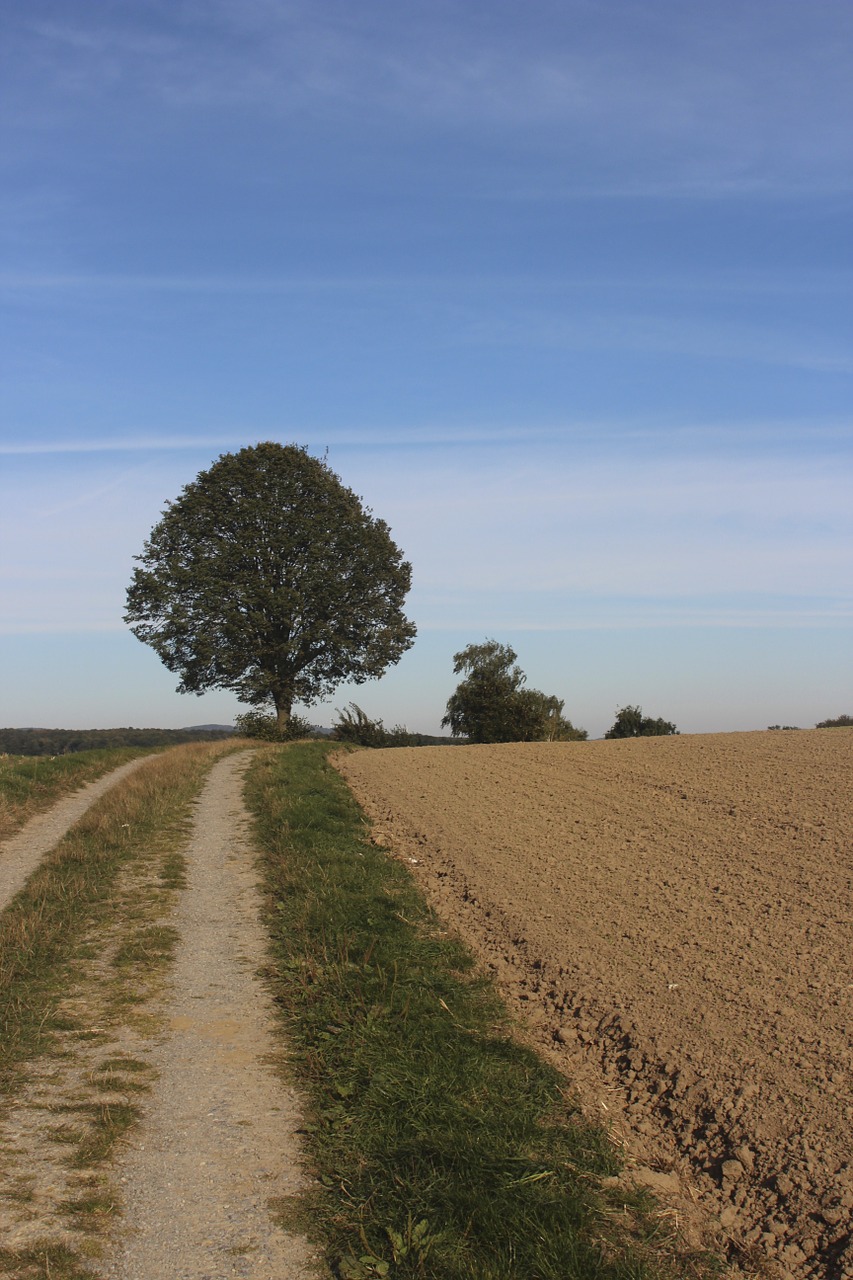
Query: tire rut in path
{"points": [[22, 852], [219, 1143]]}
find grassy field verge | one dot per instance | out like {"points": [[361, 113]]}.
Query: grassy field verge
{"points": [[30, 784], [443, 1146], [83, 950]]}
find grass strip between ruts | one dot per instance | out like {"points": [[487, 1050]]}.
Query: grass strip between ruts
{"points": [[41, 928], [83, 947], [445, 1148]]}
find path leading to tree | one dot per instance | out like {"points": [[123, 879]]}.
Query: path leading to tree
{"points": [[218, 1147], [21, 854]]}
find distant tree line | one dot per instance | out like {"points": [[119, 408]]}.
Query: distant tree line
{"points": [[837, 722], [59, 742]]}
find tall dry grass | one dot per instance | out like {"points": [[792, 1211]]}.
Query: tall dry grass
{"points": [[31, 784], [71, 889]]}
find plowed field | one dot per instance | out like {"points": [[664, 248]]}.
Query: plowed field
{"points": [[675, 918]]}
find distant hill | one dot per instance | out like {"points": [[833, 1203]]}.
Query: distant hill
{"points": [[59, 742], [207, 728]]}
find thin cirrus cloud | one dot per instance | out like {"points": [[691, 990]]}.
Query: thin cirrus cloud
{"points": [[726, 340], [550, 539], [107, 444], [693, 109], [746, 283], [560, 288], [632, 526]]}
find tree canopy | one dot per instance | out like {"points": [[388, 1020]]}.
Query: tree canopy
{"points": [[631, 723], [268, 577], [491, 704]]}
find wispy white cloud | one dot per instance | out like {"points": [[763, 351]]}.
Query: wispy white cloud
{"points": [[583, 436], [490, 618], [653, 332], [660, 92], [122, 444], [87, 496], [744, 282], [668, 316], [56, 626], [560, 525]]}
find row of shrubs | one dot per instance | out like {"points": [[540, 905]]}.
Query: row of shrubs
{"points": [[837, 722], [353, 725]]}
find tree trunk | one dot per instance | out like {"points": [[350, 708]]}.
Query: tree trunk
{"points": [[282, 715]]}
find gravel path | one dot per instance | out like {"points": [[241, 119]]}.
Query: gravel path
{"points": [[21, 854], [219, 1144]]}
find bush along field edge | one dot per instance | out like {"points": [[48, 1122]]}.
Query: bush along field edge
{"points": [[441, 1146]]}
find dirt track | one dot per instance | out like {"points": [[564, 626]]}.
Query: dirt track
{"points": [[675, 918], [21, 853], [196, 1190], [219, 1145]]}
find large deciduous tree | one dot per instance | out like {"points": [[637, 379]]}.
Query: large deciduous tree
{"points": [[267, 576], [491, 704]]}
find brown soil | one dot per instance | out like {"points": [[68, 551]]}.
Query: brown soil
{"points": [[675, 918]]}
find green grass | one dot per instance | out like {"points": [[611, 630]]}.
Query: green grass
{"points": [[47, 923], [29, 784], [46, 931], [445, 1147], [47, 1261]]}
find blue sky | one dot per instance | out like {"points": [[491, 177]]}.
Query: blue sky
{"points": [[563, 289]]}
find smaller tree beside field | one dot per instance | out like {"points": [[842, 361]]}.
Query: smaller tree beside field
{"points": [[631, 723], [491, 704]]}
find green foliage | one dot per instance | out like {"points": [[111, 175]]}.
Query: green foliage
{"points": [[265, 727], [268, 577], [491, 704], [839, 722], [772, 727], [355, 726], [555, 727], [631, 723]]}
